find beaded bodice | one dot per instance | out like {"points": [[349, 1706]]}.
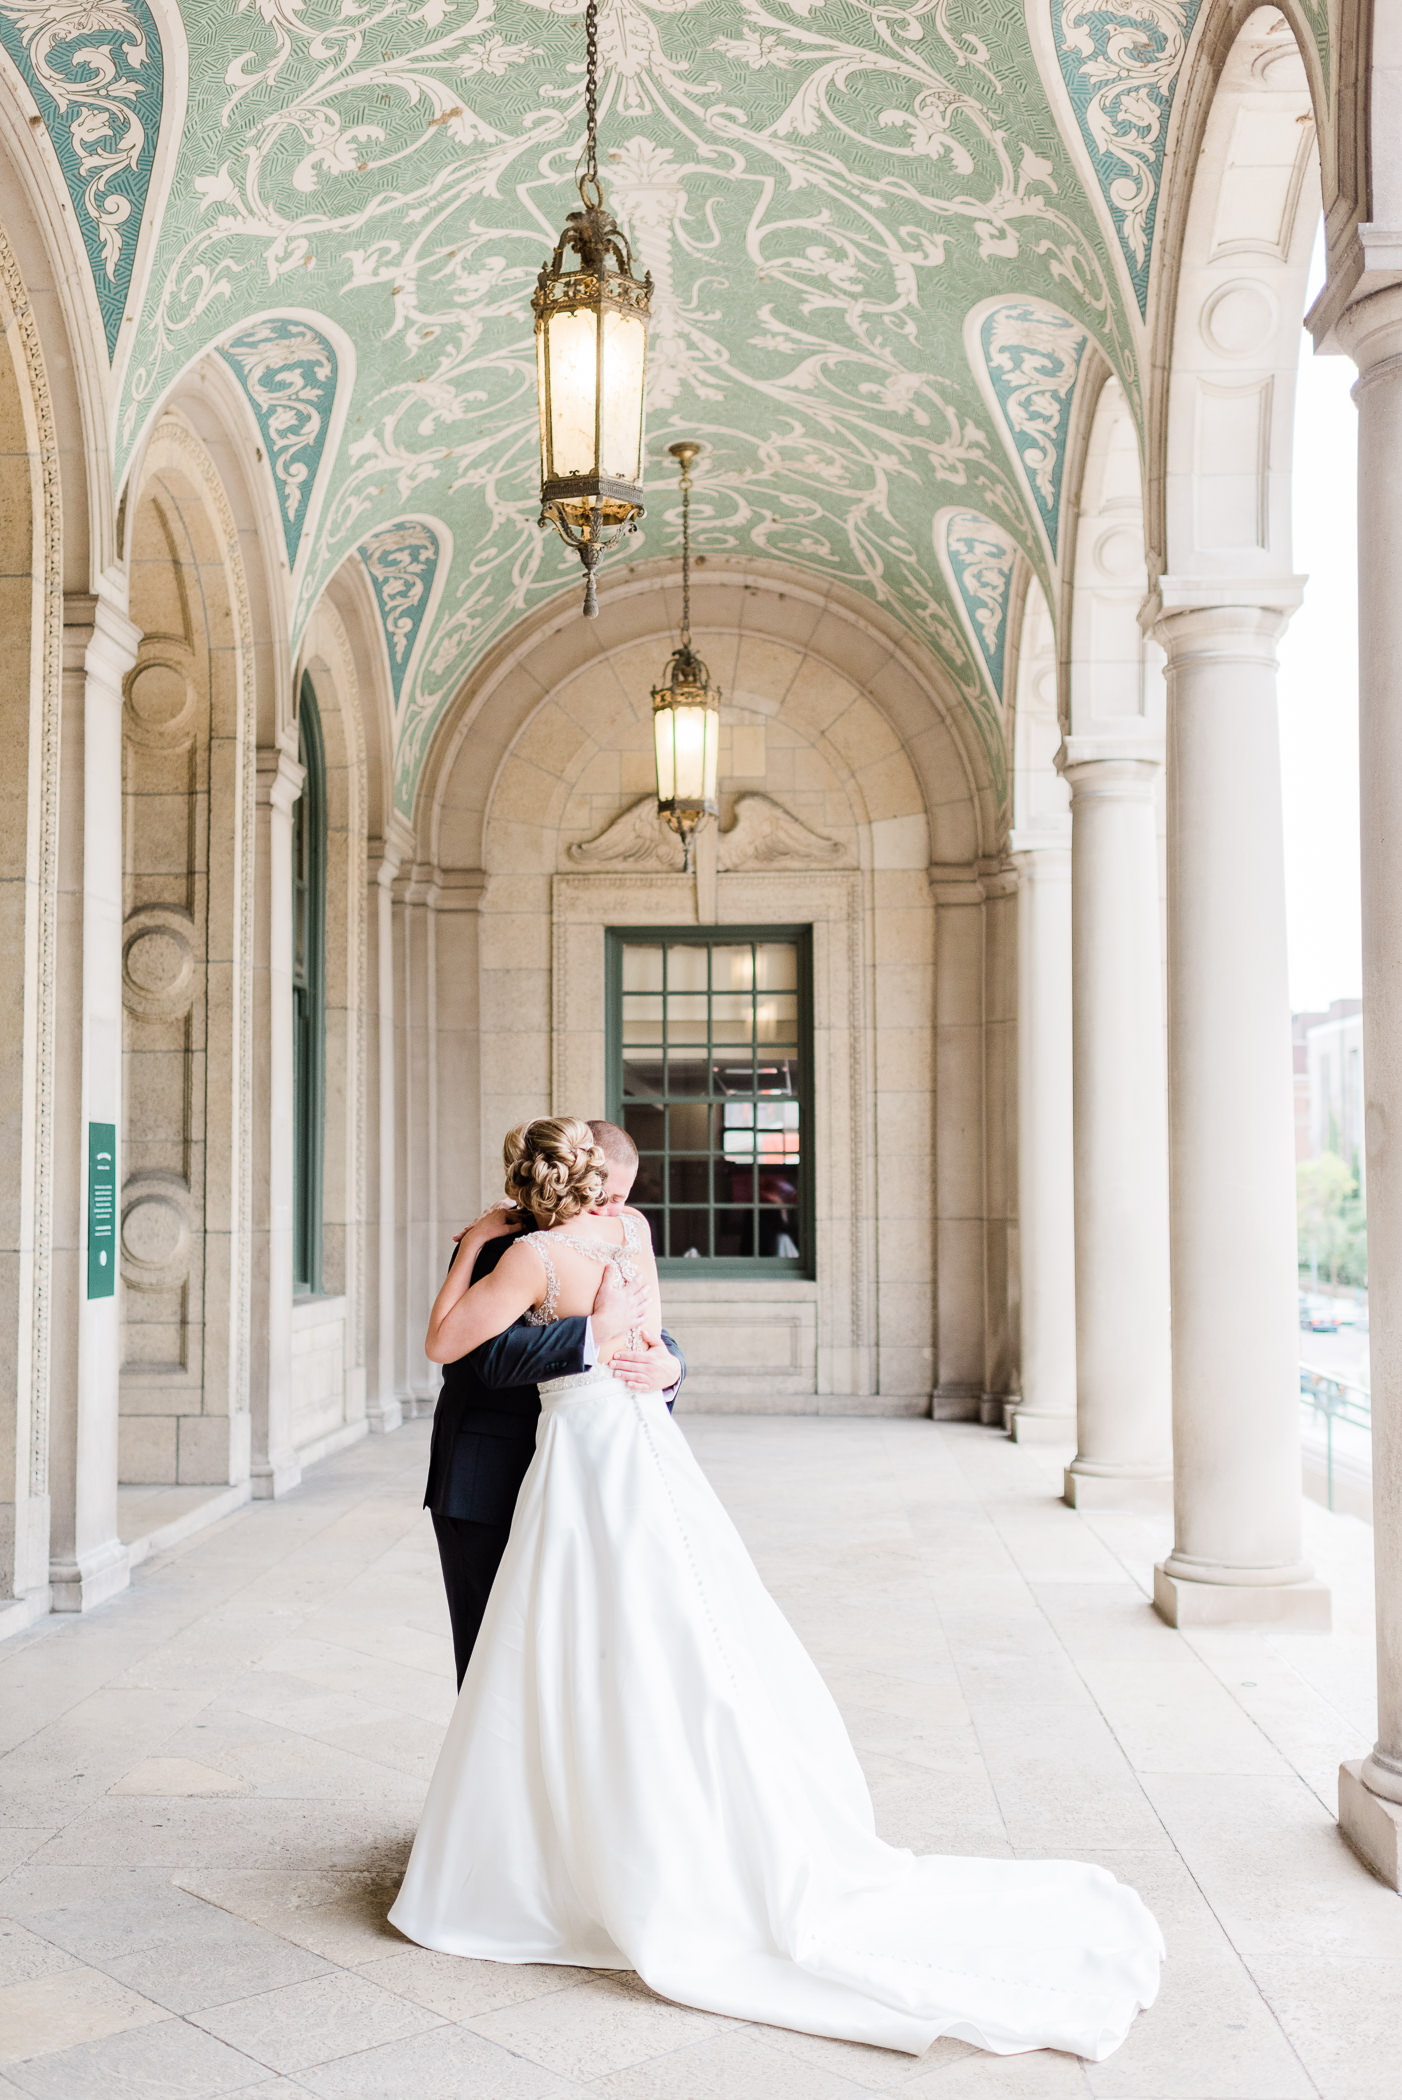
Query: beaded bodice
{"points": [[624, 1259]]}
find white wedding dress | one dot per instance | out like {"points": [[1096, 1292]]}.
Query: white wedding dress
{"points": [[645, 1771]]}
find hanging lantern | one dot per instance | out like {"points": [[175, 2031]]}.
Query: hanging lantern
{"points": [[591, 316], [686, 708]]}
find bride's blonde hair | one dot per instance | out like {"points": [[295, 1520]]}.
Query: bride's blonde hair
{"points": [[554, 1169]]}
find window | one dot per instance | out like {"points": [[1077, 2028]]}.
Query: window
{"points": [[710, 1055], [308, 996]]}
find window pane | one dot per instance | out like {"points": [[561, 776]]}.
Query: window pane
{"points": [[733, 969], [642, 1020], [776, 1019], [645, 1127], [686, 968], [642, 968], [690, 1233], [641, 1078], [689, 1128], [777, 966], [686, 1019], [689, 1181], [686, 1073], [735, 1234], [648, 1188]]}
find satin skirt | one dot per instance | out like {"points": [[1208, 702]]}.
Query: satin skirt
{"points": [[645, 1771]]}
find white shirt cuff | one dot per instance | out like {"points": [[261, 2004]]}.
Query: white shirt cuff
{"points": [[591, 1347]]}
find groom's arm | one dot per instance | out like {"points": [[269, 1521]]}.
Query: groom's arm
{"points": [[526, 1353]]}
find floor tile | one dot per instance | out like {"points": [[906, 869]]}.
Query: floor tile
{"points": [[50, 2013], [734, 2066], [303, 2024], [1344, 2018], [170, 2061], [25, 1955], [594, 2028], [456, 1987], [447, 2064], [343, 1917]]}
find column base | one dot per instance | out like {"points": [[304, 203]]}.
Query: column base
{"points": [[1140, 1494], [90, 1578], [385, 1416], [1025, 1426], [1372, 1826], [1302, 1607], [276, 1475], [992, 1409]]}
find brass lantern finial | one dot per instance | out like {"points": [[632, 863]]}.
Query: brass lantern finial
{"points": [[591, 317], [686, 706]]}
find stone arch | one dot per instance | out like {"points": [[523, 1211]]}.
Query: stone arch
{"points": [[537, 827], [188, 936], [1234, 253], [31, 564]]}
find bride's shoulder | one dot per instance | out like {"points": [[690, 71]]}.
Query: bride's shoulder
{"points": [[639, 1219]]}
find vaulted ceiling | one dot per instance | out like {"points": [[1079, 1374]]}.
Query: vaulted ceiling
{"points": [[882, 238]]}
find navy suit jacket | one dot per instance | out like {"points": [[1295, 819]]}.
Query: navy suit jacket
{"points": [[485, 1422]]}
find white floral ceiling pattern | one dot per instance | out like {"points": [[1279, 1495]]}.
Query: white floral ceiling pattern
{"points": [[823, 191]]}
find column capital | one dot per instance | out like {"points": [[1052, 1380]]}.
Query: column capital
{"points": [[1034, 852], [1184, 608], [98, 638], [280, 778], [386, 855], [460, 889], [1110, 765], [1370, 331]]}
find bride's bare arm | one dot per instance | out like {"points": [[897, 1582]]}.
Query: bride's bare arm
{"points": [[465, 1314]]}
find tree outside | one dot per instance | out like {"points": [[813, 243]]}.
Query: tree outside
{"points": [[1333, 1236]]}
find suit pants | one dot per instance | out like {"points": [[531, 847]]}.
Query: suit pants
{"points": [[470, 1554]]}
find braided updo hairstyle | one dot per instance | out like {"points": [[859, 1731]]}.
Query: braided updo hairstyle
{"points": [[554, 1169]]}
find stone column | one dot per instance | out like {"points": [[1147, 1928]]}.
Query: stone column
{"points": [[959, 1180], [1370, 1792], [1045, 1152], [1120, 1130], [425, 1254], [1236, 1386], [385, 1403], [275, 1466], [88, 1561]]}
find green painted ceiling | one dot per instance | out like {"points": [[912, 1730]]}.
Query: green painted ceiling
{"points": [[823, 191]]}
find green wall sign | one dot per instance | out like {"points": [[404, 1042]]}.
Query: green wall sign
{"points": [[102, 1210]]}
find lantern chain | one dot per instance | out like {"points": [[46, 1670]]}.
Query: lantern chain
{"points": [[686, 556], [589, 181]]}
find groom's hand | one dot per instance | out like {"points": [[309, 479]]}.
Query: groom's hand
{"points": [[651, 1368]]}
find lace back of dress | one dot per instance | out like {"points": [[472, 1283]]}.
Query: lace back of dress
{"points": [[548, 1311]]}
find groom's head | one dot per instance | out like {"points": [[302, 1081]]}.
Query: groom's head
{"points": [[621, 1163]]}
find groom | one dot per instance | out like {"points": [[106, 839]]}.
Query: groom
{"points": [[485, 1423]]}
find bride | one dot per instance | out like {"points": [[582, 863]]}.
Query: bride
{"points": [[645, 1771]]}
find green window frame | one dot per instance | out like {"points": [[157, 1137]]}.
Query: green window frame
{"points": [[709, 1044], [308, 998]]}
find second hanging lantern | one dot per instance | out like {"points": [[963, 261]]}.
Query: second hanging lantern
{"points": [[686, 708]]}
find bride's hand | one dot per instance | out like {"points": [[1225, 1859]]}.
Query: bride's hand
{"points": [[650, 1368]]}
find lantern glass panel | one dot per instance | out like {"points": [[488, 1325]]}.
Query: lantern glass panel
{"points": [[541, 398], [625, 353], [572, 359], [666, 759], [691, 739]]}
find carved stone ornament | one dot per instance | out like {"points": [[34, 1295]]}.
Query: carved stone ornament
{"points": [[765, 835], [636, 839]]}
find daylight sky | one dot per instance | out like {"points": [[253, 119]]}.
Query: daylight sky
{"points": [[1319, 688]]}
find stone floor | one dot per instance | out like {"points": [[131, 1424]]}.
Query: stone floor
{"points": [[207, 1791]]}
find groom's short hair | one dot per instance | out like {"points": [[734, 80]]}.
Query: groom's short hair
{"points": [[615, 1144]]}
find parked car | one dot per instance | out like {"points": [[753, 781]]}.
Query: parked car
{"points": [[1321, 1322]]}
